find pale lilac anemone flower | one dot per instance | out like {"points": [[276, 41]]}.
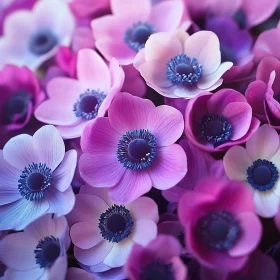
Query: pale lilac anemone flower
{"points": [[133, 149], [124, 33], [160, 259], [104, 233], [221, 227], [39, 252], [35, 177], [178, 65], [32, 37], [215, 122], [258, 166], [84, 99]]}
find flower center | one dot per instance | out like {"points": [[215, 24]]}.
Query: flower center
{"points": [[88, 104], [34, 181], [262, 175], [137, 149], [215, 129], [42, 42], [115, 223], [157, 270], [183, 70], [47, 251], [137, 35], [219, 230], [16, 107]]}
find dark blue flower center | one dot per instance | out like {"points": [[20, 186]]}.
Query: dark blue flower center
{"points": [[115, 223], [47, 251], [219, 230], [88, 104], [34, 181], [215, 129], [241, 19], [42, 42], [183, 70], [16, 106], [137, 149], [157, 270], [137, 35], [262, 175]]}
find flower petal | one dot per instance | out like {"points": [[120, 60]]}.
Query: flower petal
{"points": [[266, 203], [169, 167], [127, 8], [144, 231], [72, 131]]}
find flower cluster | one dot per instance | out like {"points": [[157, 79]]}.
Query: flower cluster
{"points": [[139, 139]]}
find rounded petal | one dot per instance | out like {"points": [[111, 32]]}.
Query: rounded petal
{"points": [[250, 236], [144, 231], [128, 113], [92, 71], [133, 184], [72, 131], [179, 268], [101, 170], [266, 203], [263, 144], [74, 273], [166, 124], [169, 167], [236, 163], [85, 235], [49, 146], [126, 8], [36, 273]]}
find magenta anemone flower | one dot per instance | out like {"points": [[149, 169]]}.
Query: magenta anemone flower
{"points": [[103, 233], [264, 94], [202, 165], [39, 252], [258, 166], [84, 99], [133, 149], [221, 226], [20, 95], [35, 177], [216, 122], [124, 33], [160, 259], [178, 65], [39, 32]]}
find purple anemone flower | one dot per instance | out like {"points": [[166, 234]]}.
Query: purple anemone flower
{"points": [[35, 177], [160, 259], [221, 227], [20, 95], [202, 165], [216, 122], [103, 233], [124, 33], [83, 99], [133, 149], [39, 252]]}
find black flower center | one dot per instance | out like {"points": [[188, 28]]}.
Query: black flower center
{"points": [[157, 270], [116, 223], [138, 149]]}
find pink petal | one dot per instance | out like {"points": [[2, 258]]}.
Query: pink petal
{"points": [[101, 170], [263, 144], [239, 115], [128, 113], [19, 151], [92, 71], [72, 131], [199, 45], [93, 255], [126, 8], [162, 46], [172, 11], [63, 175], [143, 208], [144, 231], [166, 124], [250, 236], [236, 163], [99, 137], [132, 185], [169, 167], [179, 268], [49, 146], [119, 253], [85, 235]]}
